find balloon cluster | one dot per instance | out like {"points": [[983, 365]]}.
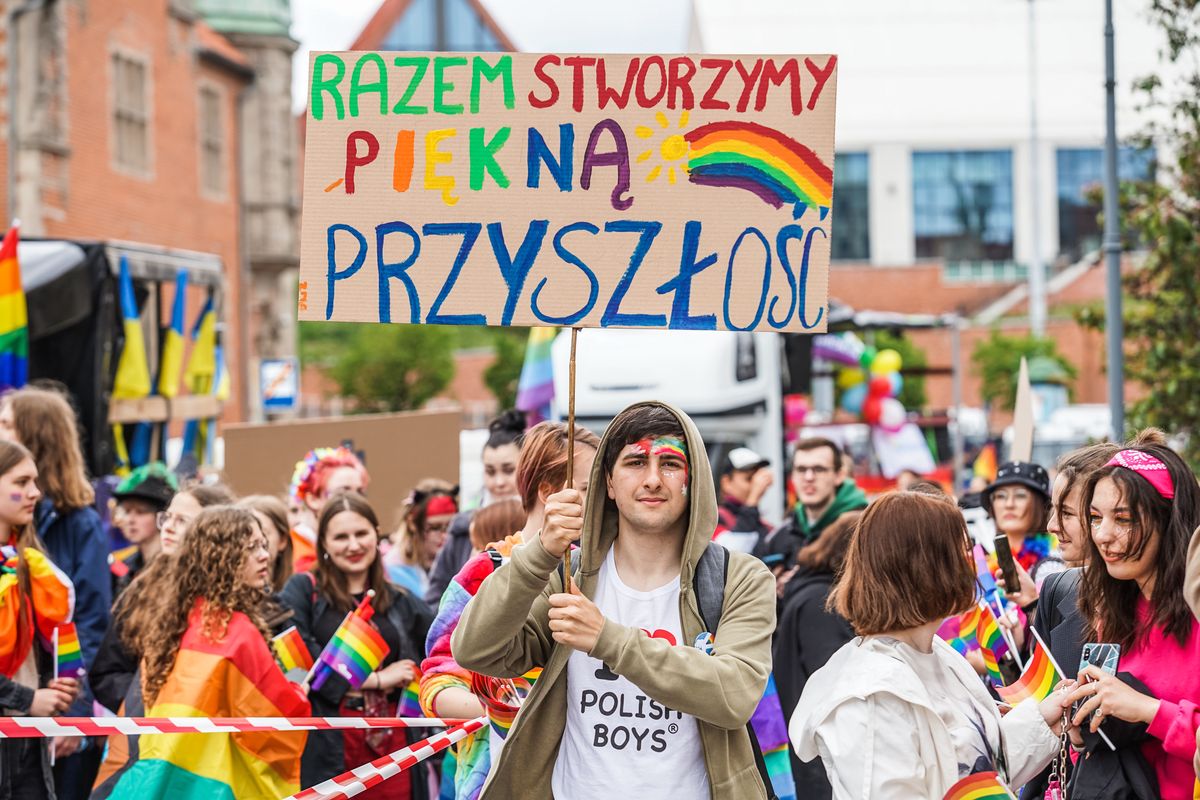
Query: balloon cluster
{"points": [[870, 381]]}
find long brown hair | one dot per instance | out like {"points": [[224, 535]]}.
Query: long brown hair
{"points": [[12, 455], [410, 533], [1108, 605], [137, 606], [492, 523], [207, 566], [331, 581], [45, 423], [276, 512]]}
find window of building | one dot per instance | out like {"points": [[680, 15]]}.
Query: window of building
{"points": [[212, 142], [1079, 171], [441, 25], [131, 114], [851, 208], [417, 29], [963, 205]]}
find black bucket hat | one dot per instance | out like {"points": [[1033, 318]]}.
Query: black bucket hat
{"points": [[152, 483], [1023, 473]]}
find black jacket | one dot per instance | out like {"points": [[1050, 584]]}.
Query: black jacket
{"points": [[1101, 774], [113, 669], [323, 755], [450, 558], [805, 639], [15, 697], [1059, 624]]}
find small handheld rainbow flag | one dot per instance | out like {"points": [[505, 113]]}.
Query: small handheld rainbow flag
{"points": [[980, 786], [68, 657], [410, 703], [291, 651], [991, 643], [1038, 680], [355, 651]]}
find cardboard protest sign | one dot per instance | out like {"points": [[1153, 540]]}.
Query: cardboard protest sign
{"points": [[397, 449], [651, 191]]}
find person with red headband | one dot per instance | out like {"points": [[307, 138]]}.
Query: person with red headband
{"points": [[422, 533], [1142, 507]]}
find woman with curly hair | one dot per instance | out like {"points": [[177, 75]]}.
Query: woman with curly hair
{"points": [[44, 422], [206, 654], [27, 683], [320, 475], [348, 566]]}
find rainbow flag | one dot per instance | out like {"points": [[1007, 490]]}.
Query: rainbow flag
{"points": [[991, 643], [535, 388], [68, 657], [410, 703], [770, 728], [985, 463], [14, 330], [980, 786], [355, 651], [951, 633], [1037, 681], [233, 676], [291, 650]]}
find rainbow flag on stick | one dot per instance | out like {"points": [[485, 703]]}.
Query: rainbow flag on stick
{"points": [[980, 786], [991, 643], [355, 651], [535, 388], [14, 330], [68, 657], [291, 650], [410, 703], [1038, 680]]}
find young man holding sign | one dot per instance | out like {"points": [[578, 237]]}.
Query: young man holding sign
{"points": [[651, 689]]}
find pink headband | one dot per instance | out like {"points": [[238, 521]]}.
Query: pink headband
{"points": [[1149, 468]]}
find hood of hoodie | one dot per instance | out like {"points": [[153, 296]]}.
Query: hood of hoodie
{"points": [[601, 517], [848, 497]]}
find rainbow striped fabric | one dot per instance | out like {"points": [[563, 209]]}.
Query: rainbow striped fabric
{"points": [[68, 657], [535, 387], [980, 786], [770, 728], [355, 651], [233, 676], [1037, 681], [985, 463], [991, 643], [291, 650], [14, 330], [410, 700], [49, 603]]}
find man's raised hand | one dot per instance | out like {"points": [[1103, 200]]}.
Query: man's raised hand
{"points": [[563, 524]]}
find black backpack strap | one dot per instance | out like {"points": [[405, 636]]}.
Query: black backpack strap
{"points": [[708, 582]]}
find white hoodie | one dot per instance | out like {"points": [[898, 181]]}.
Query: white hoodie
{"points": [[877, 729]]}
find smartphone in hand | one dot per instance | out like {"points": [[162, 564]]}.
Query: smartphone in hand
{"points": [[1106, 656], [1008, 567]]}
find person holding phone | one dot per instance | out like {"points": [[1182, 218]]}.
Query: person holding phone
{"points": [[896, 712], [1019, 503], [1142, 507]]}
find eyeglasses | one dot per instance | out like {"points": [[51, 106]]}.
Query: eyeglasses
{"points": [[817, 472], [166, 516], [1015, 495], [437, 527]]}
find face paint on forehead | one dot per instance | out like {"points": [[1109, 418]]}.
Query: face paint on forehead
{"points": [[669, 445]]}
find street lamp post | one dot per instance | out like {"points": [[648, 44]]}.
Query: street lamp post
{"points": [[1114, 323], [1037, 267]]}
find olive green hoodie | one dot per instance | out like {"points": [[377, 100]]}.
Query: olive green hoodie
{"points": [[504, 632]]}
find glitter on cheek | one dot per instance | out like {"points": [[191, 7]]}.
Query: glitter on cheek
{"points": [[16, 498]]}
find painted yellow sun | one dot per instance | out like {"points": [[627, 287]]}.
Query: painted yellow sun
{"points": [[673, 149]]}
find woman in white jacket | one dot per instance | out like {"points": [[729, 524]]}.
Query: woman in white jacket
{"points": [[897, 713]]}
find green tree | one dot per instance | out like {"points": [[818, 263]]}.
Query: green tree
{"points": [[383, 367], [1161, 306], [912, 393], [502, 376], [997, 362]]}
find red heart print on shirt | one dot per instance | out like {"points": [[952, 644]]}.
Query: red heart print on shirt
{"points": [[659, 633]]}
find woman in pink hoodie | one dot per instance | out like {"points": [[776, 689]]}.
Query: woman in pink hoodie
{"points": [[1142, 508]]}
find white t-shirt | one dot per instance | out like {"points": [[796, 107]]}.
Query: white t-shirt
{"points": [[618, 742]]}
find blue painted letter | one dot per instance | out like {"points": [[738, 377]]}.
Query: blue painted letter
{"points": [[681, 284], [333, 274], [397, 270], [612, 312], [569, 257], [470, 232]]}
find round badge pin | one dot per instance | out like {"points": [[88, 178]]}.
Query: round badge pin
{"points": [[704, 643]]}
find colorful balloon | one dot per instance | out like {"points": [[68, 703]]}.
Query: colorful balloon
{"points": [[897, 384], [871, 409], [880, 386], [867, 358], [892, 415], [853, 398], [886, 361], [850, 377]]}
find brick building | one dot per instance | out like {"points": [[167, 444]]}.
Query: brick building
{"points": [[139, 121]]}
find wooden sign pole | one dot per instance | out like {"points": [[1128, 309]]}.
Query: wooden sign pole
{"points": [[570, 448]]}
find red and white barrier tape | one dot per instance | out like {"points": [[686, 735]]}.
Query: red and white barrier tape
{"points": [[359, 779], [37, 727]]}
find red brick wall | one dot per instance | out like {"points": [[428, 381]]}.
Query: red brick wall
{"points": [[167, 207]]}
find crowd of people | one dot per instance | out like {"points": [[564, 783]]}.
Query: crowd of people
{"points": [[622, 613]]}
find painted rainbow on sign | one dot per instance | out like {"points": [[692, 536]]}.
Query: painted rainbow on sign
{"points": [[760, 160]]}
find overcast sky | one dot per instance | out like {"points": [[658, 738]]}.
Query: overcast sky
{"points": [[613, 26]]}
